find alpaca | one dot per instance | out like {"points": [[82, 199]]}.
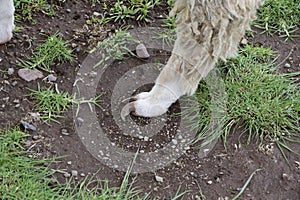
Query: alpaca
{"points": [[6, 20], [207, 30]]}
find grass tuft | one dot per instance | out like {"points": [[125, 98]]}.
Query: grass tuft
{"points": [[25, 178], [282, 16], [25, 9], [20, 176], [168, 35], [129, 9], [267, 103], [115, 47], [51, 103], [53, 51]]}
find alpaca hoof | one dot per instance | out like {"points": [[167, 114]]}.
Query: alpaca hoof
{"points": [[5, 37], [126, 110], [6, 30]]}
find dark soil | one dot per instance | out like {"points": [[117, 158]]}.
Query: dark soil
{"points": [[219, 175]]}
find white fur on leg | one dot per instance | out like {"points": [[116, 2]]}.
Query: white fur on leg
{"points": [[157, 101], [169, 86], [6, 20]]}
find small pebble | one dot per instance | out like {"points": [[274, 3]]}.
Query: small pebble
{"points": [[67, 175], [93, 74], [141, 51], [96, 14], [174, 141], [79, 121], [64, 132], [14, 83], [287, 177], [28, 126], [6, 99], [69, 162], [73, 45], [209, 182], [74, 173], [10, 71], [159, 179], [52, 78], [244, 41], [287, 65], [28, 143], [35, 137], [193, 174], [141, 137], [187, 148], [16, 101], [82, 174], [77, 49]]}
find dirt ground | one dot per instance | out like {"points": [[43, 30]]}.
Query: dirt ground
{"points": [[219, 175]]}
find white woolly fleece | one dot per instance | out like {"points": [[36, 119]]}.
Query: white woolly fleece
{"points": [[6, 20]]}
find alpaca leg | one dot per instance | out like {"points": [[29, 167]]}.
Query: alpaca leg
{"points": [[167, 90], [6, 20], [172, 83]]}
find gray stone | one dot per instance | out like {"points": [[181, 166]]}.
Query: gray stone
{"points": [[28, 126], [141, 51], [52, 78], [30, 74]]}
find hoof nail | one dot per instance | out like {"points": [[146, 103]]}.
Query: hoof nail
{"points": [[126, 110]]}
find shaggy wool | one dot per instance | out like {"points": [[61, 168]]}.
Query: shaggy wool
{"points": [[207, 30]]}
